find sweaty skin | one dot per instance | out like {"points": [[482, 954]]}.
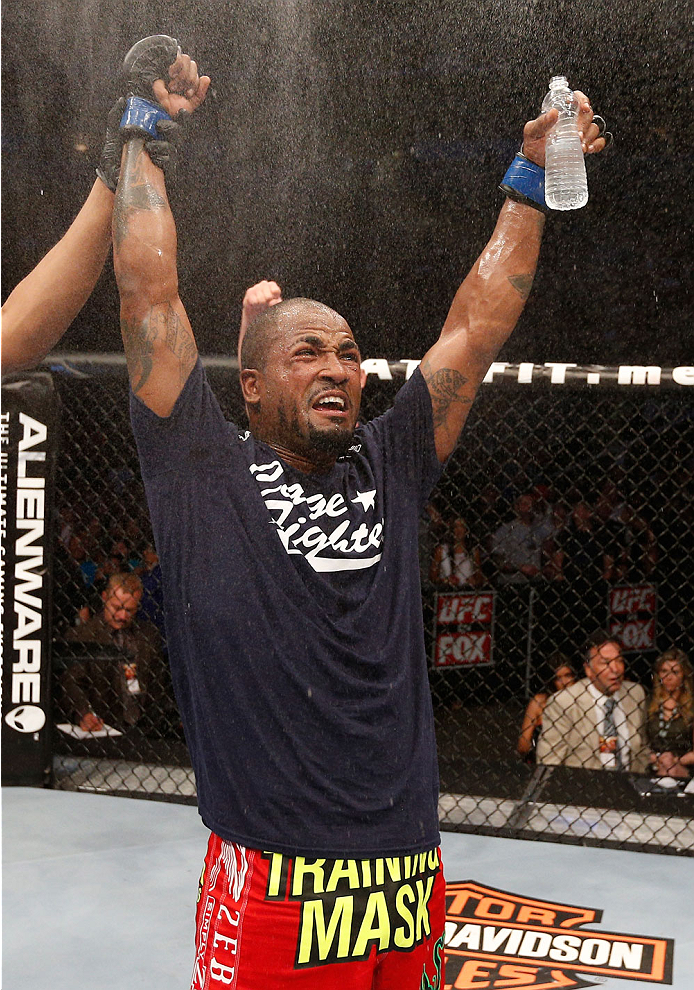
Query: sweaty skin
{"points": [[305, 400], [490, 300], [161, 350]]}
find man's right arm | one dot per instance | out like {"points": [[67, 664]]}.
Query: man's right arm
{"points": [[256, 300], [160, 348]]}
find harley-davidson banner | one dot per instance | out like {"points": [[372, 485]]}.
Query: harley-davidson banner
{"points": [[498, 941]]}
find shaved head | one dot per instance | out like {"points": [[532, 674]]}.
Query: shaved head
{"points": [[261, 331]]}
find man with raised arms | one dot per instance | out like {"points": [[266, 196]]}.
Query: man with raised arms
{"points": [[291, 583]]}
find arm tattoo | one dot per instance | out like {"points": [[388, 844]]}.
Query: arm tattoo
{"points": [[522, 284], [445, 386], [139, 337], [138, 341], [135, 193], [158, 327], [178, 339]]}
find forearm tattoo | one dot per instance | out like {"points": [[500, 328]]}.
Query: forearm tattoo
{"points": [[445, 388], [160, 325], [135, 192]]}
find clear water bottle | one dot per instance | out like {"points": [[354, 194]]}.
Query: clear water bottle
{"points": [[566, 185]]}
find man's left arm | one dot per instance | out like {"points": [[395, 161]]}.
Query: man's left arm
{"points": [[489, 302]]}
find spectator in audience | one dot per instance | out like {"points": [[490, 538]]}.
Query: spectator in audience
{"points": [[611, 534], [486, 509], [598, 722], [117, 690], [562, 675], [431, 531], [74, 601], [455, 563], [611, 504], [670, 722], [542, 499], [483, 515], [518, 545], [675, 535], [558, 518], [580, 556], [152, 603], [641, 554], [67, 523], [579, 565]]}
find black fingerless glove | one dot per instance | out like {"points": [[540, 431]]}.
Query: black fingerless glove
{"points": [[109, 164], [162, 151]]}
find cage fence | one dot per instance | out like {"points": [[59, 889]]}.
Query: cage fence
{"points": [[566, 510]]}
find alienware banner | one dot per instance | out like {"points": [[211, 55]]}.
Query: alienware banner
{"points": [[28, 444]]}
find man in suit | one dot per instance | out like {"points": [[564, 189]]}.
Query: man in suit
{"points": [[597, 723], [125, 686]]}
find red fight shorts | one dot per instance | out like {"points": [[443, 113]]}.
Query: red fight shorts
{"points": [[269, 920]]}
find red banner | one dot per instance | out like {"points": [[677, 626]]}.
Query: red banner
{"points": [[464, 633], [632, 612]]}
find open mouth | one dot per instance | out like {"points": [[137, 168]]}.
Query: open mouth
{"points": [[331, 404]]}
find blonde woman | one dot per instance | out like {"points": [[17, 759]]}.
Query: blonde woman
{"points": [[670, 721]]}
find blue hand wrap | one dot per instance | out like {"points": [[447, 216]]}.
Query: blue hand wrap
{"points": [[141, 116], [525, 182]]}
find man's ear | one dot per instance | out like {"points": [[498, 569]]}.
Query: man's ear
{"points": [[251, 383]]}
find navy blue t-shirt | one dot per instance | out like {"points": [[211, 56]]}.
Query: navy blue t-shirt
{"points": [[294, 626]]}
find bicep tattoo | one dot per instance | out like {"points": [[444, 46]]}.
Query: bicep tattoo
{"points": [[161, 324], [522, 284], [138, 341], [445, 388], [179, 340]]}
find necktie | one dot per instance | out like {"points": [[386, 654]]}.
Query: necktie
{"points": [[611, 731]]}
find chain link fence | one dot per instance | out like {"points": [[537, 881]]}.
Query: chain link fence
{"points": [[567, 509]]}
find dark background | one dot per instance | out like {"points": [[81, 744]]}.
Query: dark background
{"points": [[352, 152]]}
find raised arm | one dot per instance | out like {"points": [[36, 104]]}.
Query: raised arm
{"points": [[490, 300], [39, 310], [256, 300], [159, 345]]}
